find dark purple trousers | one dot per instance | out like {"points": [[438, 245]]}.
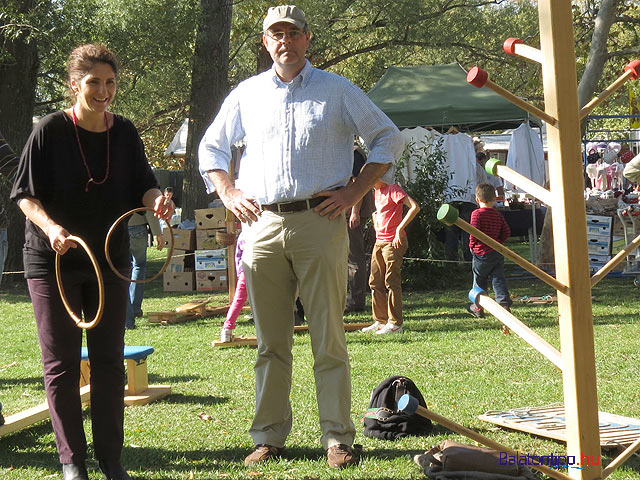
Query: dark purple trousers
{"points": [[60, 342]]}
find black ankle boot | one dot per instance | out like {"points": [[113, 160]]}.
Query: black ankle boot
{"points": [[112, 470], [74, 471]]}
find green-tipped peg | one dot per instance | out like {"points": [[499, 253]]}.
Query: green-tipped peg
{"points": [[447, 214], [492, 165]]}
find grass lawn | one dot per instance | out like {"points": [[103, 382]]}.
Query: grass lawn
{"points": [[463, 366]]}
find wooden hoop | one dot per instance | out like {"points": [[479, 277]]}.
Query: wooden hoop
{"points": [[65, 302], [108, 239]]}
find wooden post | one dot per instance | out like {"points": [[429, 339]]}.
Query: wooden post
{"points": [[232, 275], [479, 78], [496, 167], [631, 72], [523, 331], [611, 264], [620, 459], [137, 376], [514, 46], [570, 233]]}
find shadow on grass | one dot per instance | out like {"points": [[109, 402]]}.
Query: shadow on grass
{"points": [[22, 381], [177, 464], [207, 400], [164, 379], [37, 459]]}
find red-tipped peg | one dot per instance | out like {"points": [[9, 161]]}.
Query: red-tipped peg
{"points": [[477, 77], [633, 66], [509, 45]]}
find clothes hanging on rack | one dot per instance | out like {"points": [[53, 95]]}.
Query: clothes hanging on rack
{"points": [[419, 141], [616, 170], [462, 167], [526, 156], [602, 180]]}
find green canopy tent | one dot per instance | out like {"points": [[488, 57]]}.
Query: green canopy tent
{"points": [[439, 96]]}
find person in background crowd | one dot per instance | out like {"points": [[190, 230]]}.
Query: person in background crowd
{"points": [[357, 218], [292, 191], [487, 263], [239, 296], [138, 226], [386, 259], [81, 169]]}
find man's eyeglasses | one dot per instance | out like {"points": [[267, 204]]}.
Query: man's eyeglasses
{"points": [[292, 34]]}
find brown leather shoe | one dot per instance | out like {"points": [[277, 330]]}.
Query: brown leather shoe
{"points": [[262, 452], [341, 455]]}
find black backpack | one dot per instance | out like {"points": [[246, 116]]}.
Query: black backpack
{"points": [[383, 420]]}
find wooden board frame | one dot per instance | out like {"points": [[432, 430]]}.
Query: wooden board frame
{"points": [[570, 233], [550, 421]]}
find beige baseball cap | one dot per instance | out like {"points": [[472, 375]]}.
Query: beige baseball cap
{"points": [[284, 13]]}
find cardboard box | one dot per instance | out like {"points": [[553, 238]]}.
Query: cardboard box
{"points": [[617, 244], [207, 218], [181, 261], [211, 259], [178, 281], [182, 239], [596, 262], [211, 280], [601, 220], [598, 246], [206, 239]]}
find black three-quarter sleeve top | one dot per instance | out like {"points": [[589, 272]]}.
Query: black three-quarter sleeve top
{"points": [[51, 170]]}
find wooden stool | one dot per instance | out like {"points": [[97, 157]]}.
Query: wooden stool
{"points": [[138, 391]]}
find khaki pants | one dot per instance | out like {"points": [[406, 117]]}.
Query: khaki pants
{"points": [[386, 282], [284, 252]]}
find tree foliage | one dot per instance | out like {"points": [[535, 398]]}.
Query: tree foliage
{"points": [[429, 187], [155, 43]]}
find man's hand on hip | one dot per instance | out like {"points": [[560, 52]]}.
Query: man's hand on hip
{"points": [[337, 201], [342, 198], [243, 206]]}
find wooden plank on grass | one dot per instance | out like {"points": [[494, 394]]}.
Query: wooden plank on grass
{"points": [[237, 342], [196, 306], [35, 414], [170, 317]]}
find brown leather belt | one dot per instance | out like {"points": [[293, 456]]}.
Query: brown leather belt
{"points": [[297, 206]]}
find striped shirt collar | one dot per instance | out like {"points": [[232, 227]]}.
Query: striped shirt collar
{"points": [[302, 78]]}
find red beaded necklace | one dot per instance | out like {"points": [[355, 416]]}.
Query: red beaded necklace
{"points": [[84, 160]]}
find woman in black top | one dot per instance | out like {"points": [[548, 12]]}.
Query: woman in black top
{"points": [[80, 170]]}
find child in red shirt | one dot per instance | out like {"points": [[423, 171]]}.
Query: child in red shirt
{"points": [[386, 259], [487, 263]]}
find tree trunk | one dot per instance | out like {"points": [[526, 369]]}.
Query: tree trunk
{"points": [[18, 74], [264, 60], [598, 56], [209, 86]]}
